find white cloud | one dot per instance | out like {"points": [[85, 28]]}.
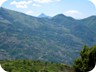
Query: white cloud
{"points": [[21, 4], [93, 1], [2, 1], [45, 1], [73, 13], [42, 1], [36, 5]]}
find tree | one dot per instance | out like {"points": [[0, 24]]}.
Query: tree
{"points": [[87, 59]]}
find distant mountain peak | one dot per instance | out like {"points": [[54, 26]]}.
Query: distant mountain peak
{"points": [[42, 15], [62, 16]]}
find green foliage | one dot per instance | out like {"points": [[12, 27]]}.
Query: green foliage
{"points": [[34, 66], [87, 60]]}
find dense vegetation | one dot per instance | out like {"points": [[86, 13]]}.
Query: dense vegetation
{"points": [[83, 64], [55, 39], [87, 60], [34, 66]]}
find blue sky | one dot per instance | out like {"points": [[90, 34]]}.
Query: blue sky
{"points": [[74, 8]]}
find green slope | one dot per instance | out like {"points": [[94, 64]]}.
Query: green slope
{"points": [[34, 66], [90, 22], [56, 39]]}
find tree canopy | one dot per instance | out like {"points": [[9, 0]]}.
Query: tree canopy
{"points": [[87, 59]]}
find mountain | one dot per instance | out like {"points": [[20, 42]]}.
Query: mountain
{"points": [[91, 23], [43, 16], [55, 39]]}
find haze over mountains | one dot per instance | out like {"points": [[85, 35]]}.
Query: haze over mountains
{"points": [[55, 39]]}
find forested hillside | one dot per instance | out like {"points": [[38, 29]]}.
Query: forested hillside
{"points": [[84, 63], [56, 39]]}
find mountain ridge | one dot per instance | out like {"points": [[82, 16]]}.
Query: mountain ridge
{"points": [[55, 39], [45, 14]]}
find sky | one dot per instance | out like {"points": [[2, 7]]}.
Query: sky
{"points": [[78, 9]]}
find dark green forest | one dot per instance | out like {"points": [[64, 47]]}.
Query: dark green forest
{"points": [[87, 59]]}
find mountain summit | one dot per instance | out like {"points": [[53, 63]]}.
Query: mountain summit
{"points": [[43, 16]]}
